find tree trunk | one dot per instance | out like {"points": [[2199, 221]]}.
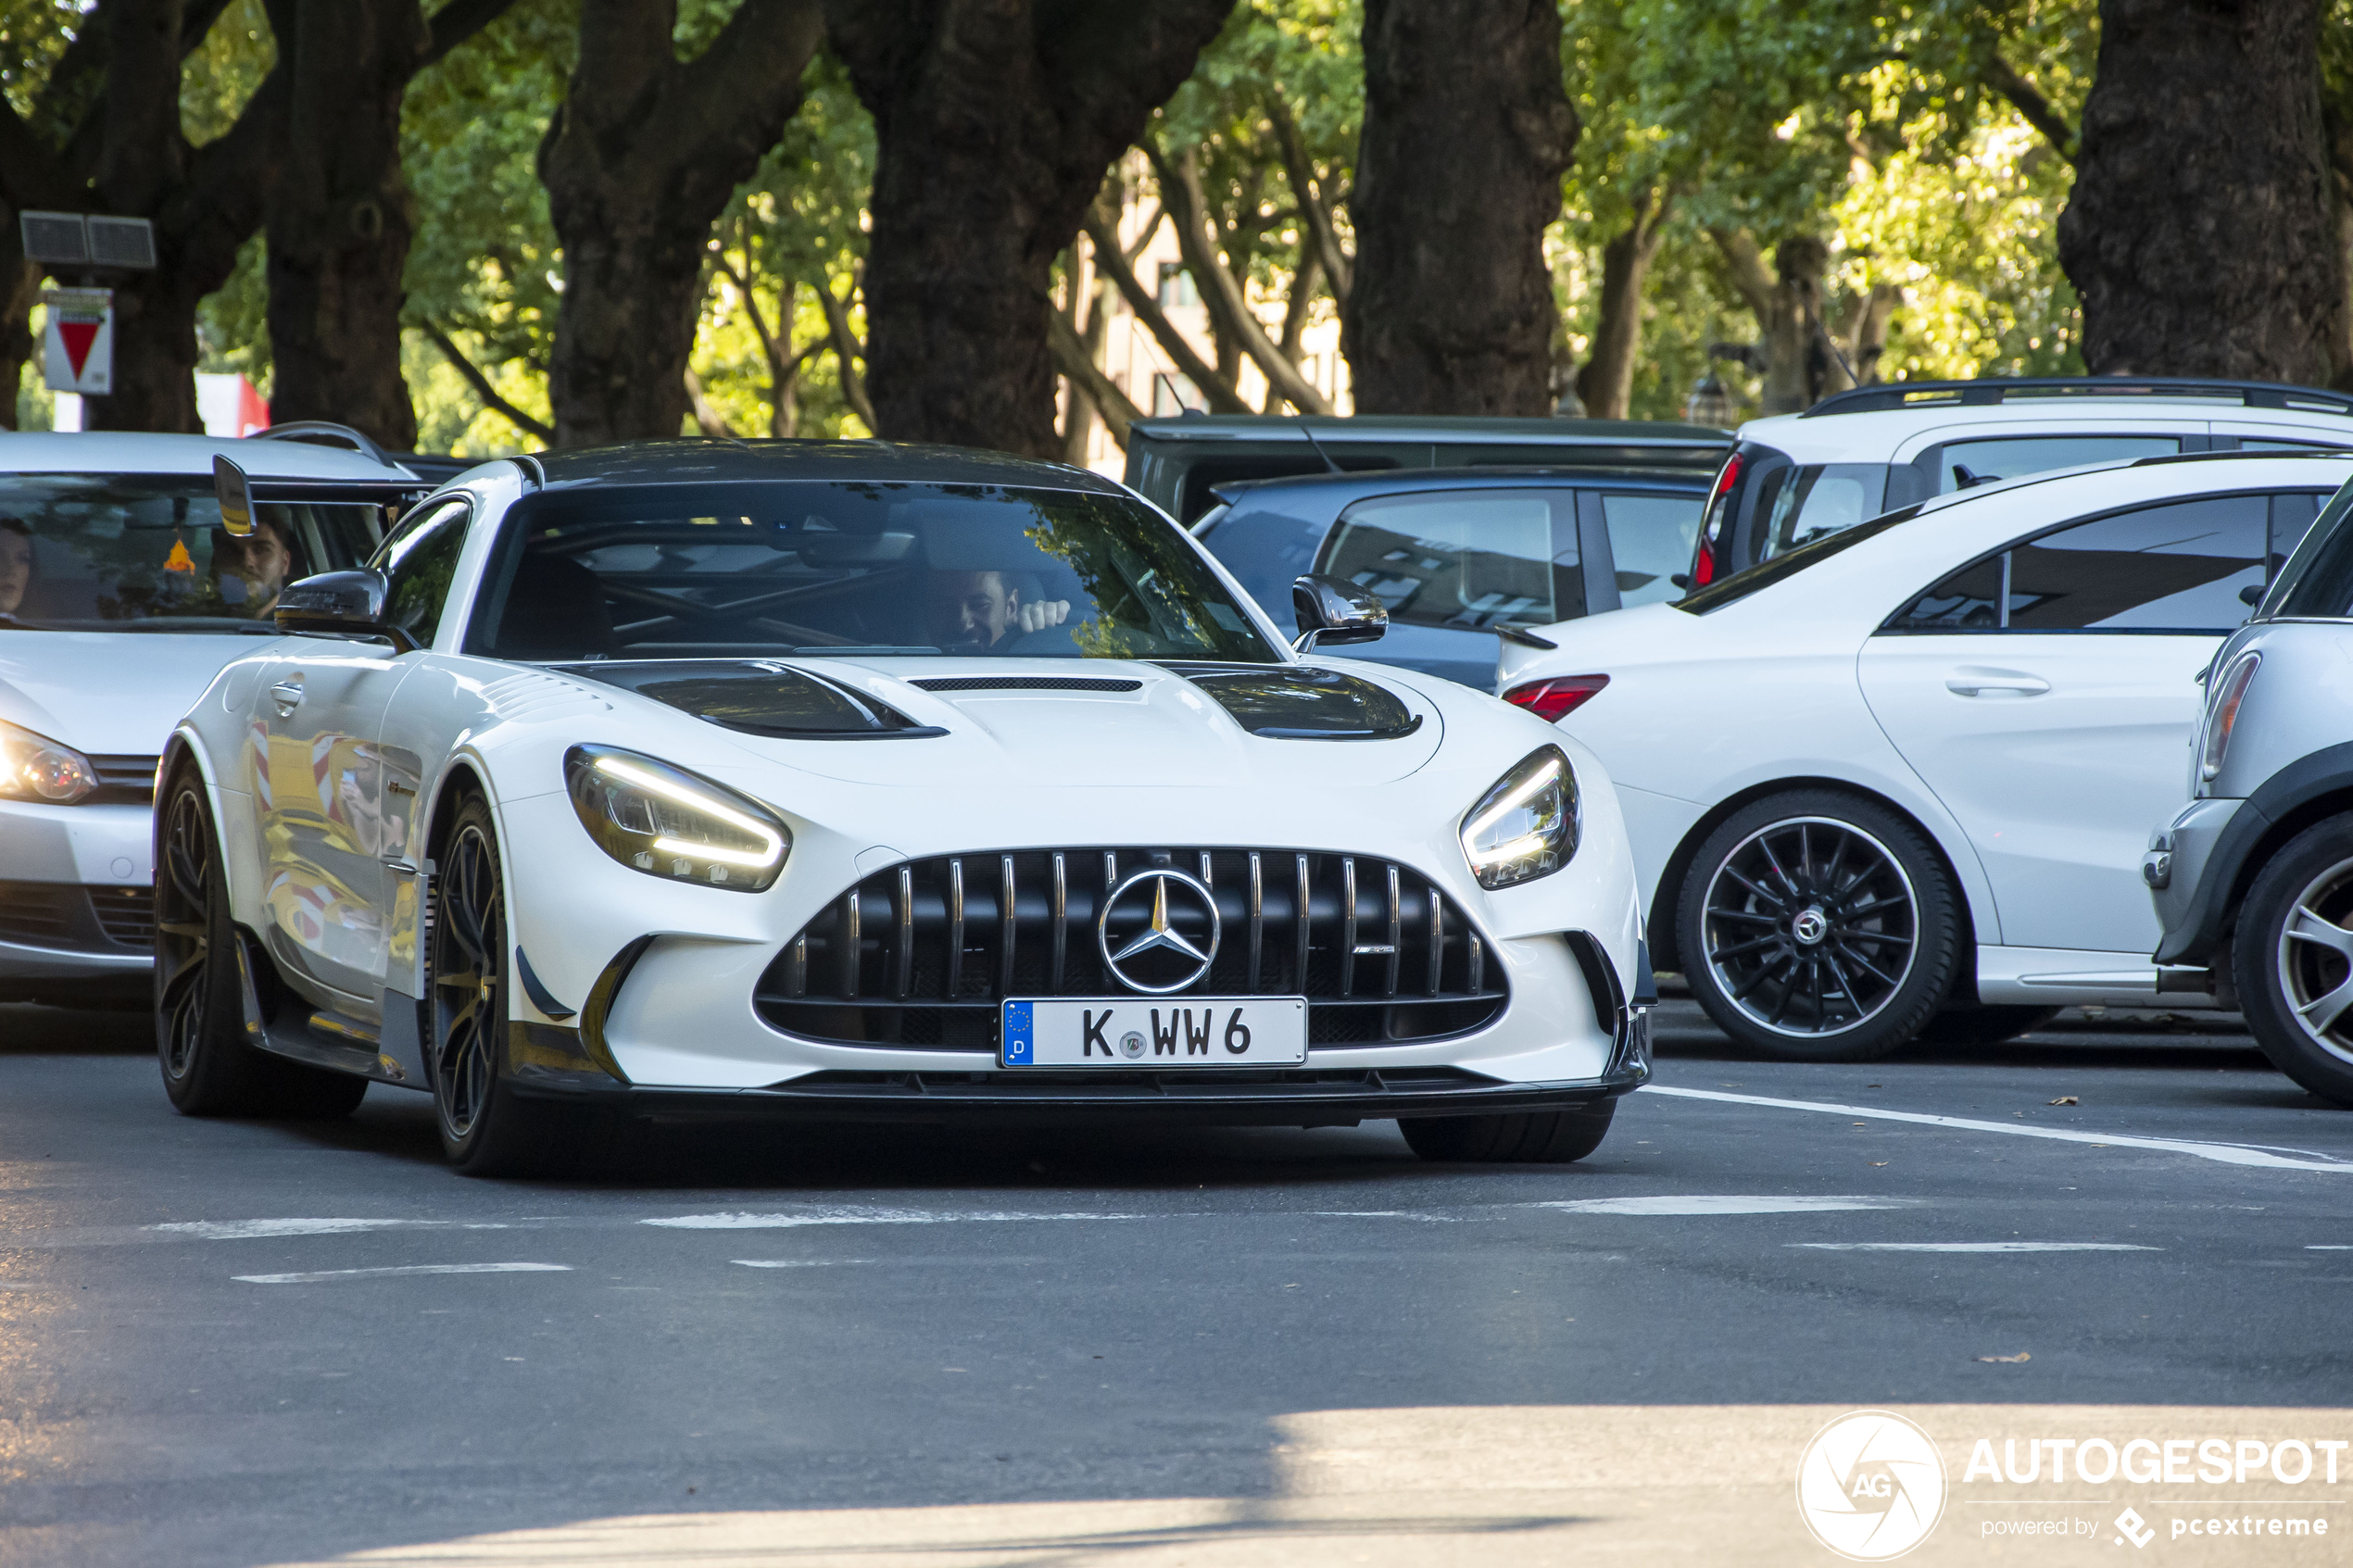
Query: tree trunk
{"points": [[1794, 351], [2199, 235], [995, 122], [19, 287], [640, 160], [1605, 384], [1466, 134]]}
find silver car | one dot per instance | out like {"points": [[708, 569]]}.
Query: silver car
{"points": [[2253, 879]]}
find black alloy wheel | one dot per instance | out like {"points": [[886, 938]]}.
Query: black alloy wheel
{"points": [[1825, 926], [2292, 959], [1552, 1137], [485, 1129], [207, 1008]]}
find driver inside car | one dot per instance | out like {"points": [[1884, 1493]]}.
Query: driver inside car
{"points": [[15, 565], [253, 569], [987, 611]]}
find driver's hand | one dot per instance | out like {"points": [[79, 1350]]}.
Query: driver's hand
{"points": [[1045, 613]]}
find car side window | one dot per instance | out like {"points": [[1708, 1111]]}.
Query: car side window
{"points": [[1801, 505], [1466, 560], [1967, 463], [2177, 567], [1650, 538], [419, 562]]}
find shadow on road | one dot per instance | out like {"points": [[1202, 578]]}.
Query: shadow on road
{"points": [[27, 1030]]}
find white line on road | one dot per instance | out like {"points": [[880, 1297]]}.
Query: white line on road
{"points": [[1974, 1247], [797, 1262], [244, 1230], [407, 1269], [1703, 1204], [2222, 1153], [742, 1222]]}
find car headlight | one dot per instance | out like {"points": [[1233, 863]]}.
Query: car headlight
{"points": [[1525, 826], [667, 822], [36, 768]]}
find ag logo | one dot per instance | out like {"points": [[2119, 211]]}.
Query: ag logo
{"points": [[1871, 1485]]}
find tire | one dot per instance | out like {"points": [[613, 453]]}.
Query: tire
{"points": [[486, 1130], [2293, 958], [1983, 1025], [1819, 926], [207, 1005], [1540, 1137]]}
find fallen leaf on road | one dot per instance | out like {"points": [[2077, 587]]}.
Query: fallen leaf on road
{"points": [[2064, 1099], [2022, 1356]]}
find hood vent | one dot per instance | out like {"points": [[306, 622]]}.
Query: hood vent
{"points": [[760, 697], [1026, 683], [1302, 702]]}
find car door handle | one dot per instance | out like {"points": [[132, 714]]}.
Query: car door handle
{"points": [[287, 694], [1995, 683]]}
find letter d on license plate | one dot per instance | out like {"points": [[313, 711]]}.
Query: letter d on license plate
{"points": [[1128, 1032]]}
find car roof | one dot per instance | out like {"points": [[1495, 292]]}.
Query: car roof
{"points": [[1333, 430], [689, 460], [132, 451], [1689, 480]]}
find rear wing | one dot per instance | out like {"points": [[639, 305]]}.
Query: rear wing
{"points": [[238, 493]]}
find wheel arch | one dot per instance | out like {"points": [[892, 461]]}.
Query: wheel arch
{"points": [[2335, 801], [1667, 954]]}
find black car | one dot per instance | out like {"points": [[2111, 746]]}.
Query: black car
{"points": [[1461, 554]]}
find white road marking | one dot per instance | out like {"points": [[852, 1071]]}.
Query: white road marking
{"points": [[2221, 1153], [244, 1230], [1974, 1247], [1717, 1205], [743, 1221], [2328, 1247], [407, 1269], [796, 1262]]}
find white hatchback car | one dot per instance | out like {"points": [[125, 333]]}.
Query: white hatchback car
{"points": [[1798, 477], [1908, 768], [848, 781], [120, 598]]}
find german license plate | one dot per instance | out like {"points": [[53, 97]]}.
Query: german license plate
{"points": [[1124, 1032]]}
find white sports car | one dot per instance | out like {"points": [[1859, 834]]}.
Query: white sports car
{"points": [[1906, 770], [851, 780]]}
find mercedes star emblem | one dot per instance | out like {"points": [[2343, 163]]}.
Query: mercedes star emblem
{"points": [[1160, 958]]}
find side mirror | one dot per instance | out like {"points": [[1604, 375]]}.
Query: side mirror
{"points": [[1331, 610], [229, 487], [344, 603]]}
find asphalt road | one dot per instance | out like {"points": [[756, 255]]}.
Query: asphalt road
{"points": [[227, 1343]]}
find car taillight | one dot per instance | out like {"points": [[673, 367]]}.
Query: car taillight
{"points": [[2228, 699], [1712, 528], [1555, 700]]}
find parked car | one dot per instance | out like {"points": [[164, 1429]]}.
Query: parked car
{"points": [[854, 780], [1907, 767], [1799, 477], [120, 598], [2253, 879], [1178, 464], [1461, 556]]}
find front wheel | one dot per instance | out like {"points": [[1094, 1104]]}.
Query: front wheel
{"points": [[2293, 959], [1552, 1138], [485, 1129], [1819, 926]]}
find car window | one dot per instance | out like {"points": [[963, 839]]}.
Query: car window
{"points": [[2176, 567], [1967, 463], [147, 553], [2317, 581], [2271, 443], [1469, 559], [762, 568], [1650, 538], [1797, 506], [419, 563]]}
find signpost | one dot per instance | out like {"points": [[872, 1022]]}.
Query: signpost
{"points": [[77, 346]]}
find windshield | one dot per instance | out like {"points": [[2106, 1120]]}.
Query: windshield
{"points": [[2317, 581], [1763, 574], [147, 553], [758, 569]]}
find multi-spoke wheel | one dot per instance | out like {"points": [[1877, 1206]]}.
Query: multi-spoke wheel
{"points": [[485, 1130], [2293, 958], [207, 1005], [1817, 927]]}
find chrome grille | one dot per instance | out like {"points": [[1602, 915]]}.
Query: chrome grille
{"points": [[919, 955]]}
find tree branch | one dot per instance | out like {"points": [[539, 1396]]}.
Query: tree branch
{"points": [[456, 22], [1180, 192], [846, 348], [482, 389], [1306, 191], [1111, 261], [707, 415], [1751, 277], [1072, 359], [2034, 109]]}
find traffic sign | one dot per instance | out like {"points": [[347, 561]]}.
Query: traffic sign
{"points": [[77, 346]]}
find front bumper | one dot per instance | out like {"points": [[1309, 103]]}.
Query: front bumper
{"points": [[74, 901], [2192, 904]]}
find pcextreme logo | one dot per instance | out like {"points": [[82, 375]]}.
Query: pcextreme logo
{"points": [[1871, 1485]]}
